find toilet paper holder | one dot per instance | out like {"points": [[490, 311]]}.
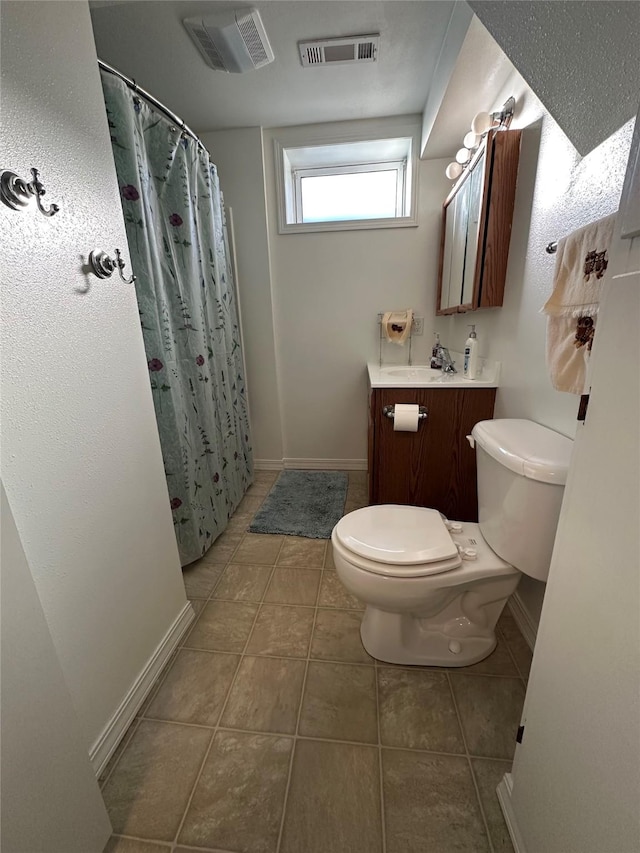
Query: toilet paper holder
{"points": [[389, 412]]}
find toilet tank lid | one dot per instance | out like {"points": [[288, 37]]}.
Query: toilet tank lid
{"points": [[528, 448]]}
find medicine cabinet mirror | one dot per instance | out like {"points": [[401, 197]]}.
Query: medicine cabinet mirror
{"points": [[476, 227]]}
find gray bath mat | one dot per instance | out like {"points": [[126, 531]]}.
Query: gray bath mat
{"points": [[303, 503]]}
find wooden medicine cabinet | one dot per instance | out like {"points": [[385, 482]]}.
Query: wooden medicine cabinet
{"points": [[476, 227]]}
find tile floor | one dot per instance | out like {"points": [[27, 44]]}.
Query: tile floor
{"points": [[271, 730]]}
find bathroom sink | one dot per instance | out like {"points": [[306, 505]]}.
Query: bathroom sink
{"points": [[424, 374]]}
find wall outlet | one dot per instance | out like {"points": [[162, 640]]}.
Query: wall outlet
{"points": [[418, 326]]}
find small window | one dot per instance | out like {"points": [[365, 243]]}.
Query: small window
{"points": [[346, 185]]}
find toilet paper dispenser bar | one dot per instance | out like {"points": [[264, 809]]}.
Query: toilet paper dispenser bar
{"points": [[389, 412]]}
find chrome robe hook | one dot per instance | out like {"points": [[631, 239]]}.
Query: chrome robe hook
{"points": [[103, 266], [17, 193]]}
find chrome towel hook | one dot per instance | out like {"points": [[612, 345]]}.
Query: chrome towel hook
{"points": [[16, 192], [103, 266]]}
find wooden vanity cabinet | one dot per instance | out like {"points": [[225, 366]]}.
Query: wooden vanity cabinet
{"points": [[435, 466]]}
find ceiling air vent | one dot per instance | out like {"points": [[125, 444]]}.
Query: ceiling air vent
{"points": [[232, 41], [339, 51]]}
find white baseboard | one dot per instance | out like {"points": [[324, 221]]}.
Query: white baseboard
{"points": [[326, 464], [523, 619], [105, 745], [504, 789], [267, 464]]}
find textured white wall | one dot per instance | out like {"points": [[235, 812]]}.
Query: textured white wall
{"points": [[81, 456], [558, 191], [328, 289], [238, 158], [576, 776], [581, 58]]}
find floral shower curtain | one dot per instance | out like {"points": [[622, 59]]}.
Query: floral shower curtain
{"points": [[179, 253]]}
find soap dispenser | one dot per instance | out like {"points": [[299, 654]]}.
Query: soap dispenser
{"points": [[471, 355], [436, 361]]}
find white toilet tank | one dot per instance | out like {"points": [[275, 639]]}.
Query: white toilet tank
{"points": [[522, 469]]}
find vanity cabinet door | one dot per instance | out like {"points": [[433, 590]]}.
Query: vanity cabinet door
{"points": [[435, 466]]}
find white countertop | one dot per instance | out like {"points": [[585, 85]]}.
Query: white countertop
{"points": [[422, 376]]}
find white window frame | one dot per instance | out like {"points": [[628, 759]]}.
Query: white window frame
{"points": [[398, 166], [288, 177]]}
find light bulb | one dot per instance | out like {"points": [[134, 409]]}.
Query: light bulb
{"points": [[453, 171], [463, 155], [481, 123], [471, 140]]}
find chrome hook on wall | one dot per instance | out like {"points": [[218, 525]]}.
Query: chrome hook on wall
{"points": [[103, 266], [17, 193]]}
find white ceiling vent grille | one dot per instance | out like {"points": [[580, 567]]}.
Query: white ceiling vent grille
{"points": [[232, 41], [339, 51]]}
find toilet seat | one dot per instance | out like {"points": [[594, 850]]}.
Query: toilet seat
{"points": [[397, 541]]}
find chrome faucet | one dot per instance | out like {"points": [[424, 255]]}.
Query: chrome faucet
{"points": [[448, 365]]}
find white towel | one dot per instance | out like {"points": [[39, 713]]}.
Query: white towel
{"points": [[581, 263], [396, 325]]}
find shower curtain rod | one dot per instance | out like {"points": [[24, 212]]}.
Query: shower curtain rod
{"points": [[156, 103]]}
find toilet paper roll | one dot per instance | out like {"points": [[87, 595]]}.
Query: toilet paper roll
{"points": [[405, 418]]}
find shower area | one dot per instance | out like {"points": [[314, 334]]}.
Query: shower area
{"points": [[180, 254]]}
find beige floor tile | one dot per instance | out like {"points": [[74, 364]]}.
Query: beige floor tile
{"points": [[249, 505], [224, 547], [119, 749], [118, 844], [195, 689], [223, 626], [499, 662], [265, 477], [293, 586], [517, 644], [488, 774], [148, 791], [302, 553], [358, 478], [265, 696], [340, 702], [417, 711], [328, 560], [259, 549], [352, 504], [198, 605], [334, 594], [282, 631], [336, 636], [490, 710], [358, 493], [343, 814], [200, 578], [430, 804], [243, 583], [237, 804], [260, 490]]}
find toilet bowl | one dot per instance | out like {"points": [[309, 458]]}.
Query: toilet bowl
{"points": [[434, 589], [434, 612]]}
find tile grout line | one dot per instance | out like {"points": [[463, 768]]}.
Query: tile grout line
{"points": [[470, 765], [222, 710], [513, 658], [380, 770], [285, 802]]}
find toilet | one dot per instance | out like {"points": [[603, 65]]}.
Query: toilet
{"points": [[433, 588]]}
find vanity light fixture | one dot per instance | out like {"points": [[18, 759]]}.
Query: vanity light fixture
{"points": [[482, 123]]}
